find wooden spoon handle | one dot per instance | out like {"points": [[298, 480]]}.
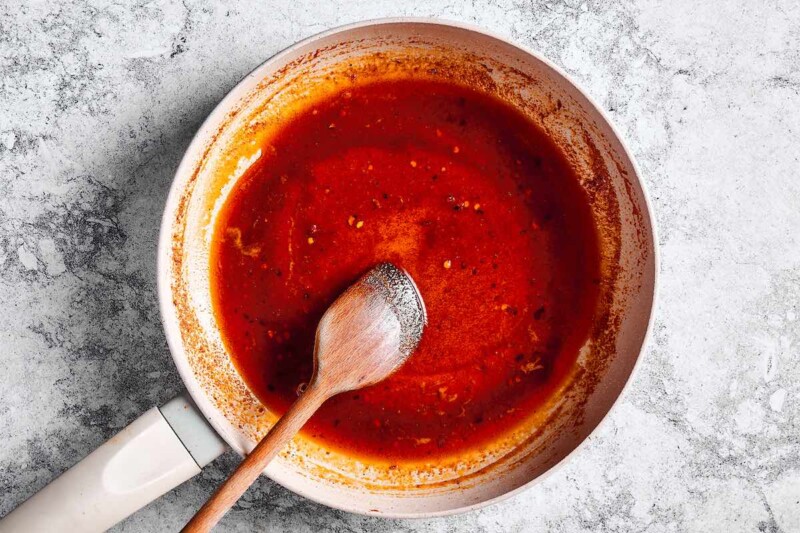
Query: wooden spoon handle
{"points": [[255, 462]]}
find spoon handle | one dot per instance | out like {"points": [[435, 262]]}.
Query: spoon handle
{"points": [[255, 462]]}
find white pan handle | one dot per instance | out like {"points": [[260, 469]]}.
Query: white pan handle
{"points": [[157, 452]]}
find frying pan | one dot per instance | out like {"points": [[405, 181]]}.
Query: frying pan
{"points": [[170, 444]]}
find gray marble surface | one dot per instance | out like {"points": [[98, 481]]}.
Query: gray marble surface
{"points": [[99, 99]]}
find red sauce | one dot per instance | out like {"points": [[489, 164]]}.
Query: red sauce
{"points": [[467, 195]]}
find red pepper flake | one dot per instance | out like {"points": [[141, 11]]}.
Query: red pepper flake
{"points": [[510, 309], [448, 397], [532, 366]]}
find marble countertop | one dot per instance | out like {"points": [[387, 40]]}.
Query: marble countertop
{"points": [[99, 99]]}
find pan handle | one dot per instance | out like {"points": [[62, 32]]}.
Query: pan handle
{"points": [[157, 452]]}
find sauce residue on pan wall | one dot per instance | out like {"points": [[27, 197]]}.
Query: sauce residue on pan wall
{"points": [[463, 192]]}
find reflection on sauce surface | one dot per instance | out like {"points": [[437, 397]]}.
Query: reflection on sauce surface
{"points": [[464, 193]]}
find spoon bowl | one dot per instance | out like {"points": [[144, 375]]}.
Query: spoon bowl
{"points": [[369, 331]]}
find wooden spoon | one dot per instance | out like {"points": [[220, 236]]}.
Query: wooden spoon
{"points": [[364, 336]]}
